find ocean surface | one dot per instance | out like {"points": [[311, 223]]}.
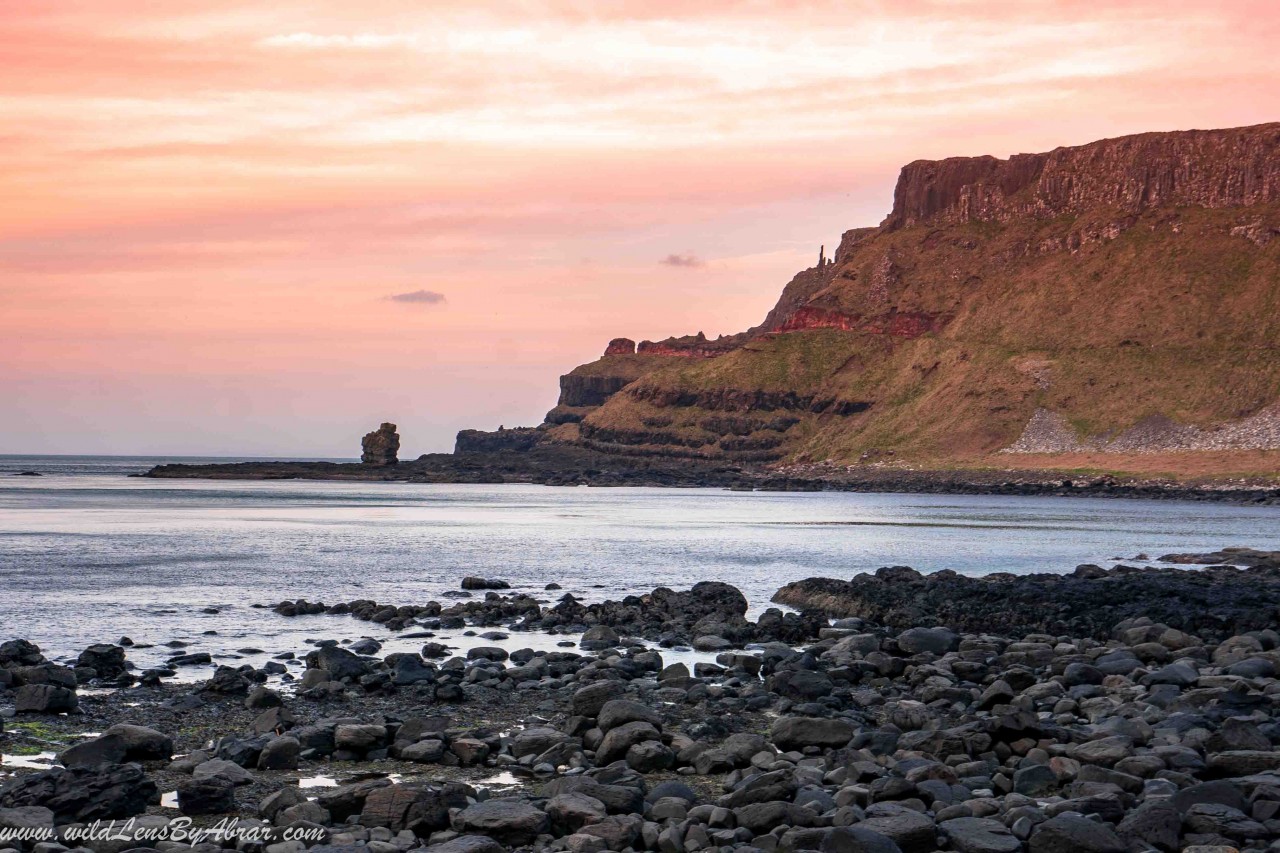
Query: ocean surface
{"points": [[88, 554]]}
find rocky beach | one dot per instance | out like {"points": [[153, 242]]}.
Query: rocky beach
{"points": [[1128, 708]]}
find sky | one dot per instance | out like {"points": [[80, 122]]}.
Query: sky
{"points": [[246, 228]]}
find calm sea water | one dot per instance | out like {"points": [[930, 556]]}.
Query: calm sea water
{"points": [[88, 554]]}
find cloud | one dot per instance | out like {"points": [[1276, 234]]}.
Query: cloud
{"points": [[418, 297], [683, 261]]}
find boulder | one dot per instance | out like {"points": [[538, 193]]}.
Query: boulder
{"points": [[107, 749], [799, 732], [465, 844], [858, 839], [617, 712], [44, 699], [381, 447], [979, 835], [510, 821], [1074, 833], [599, 637], [207, 795], [78, 794], [618, 740], [420, 809], [934, 641], [142, 743]]}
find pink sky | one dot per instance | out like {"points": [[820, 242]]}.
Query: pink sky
{"points": [[207, 205]]}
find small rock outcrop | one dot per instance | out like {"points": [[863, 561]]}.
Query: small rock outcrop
{"points": [[381, 446]]}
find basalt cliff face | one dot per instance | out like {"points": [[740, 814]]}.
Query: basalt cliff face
{"points": [[1116, 297]]}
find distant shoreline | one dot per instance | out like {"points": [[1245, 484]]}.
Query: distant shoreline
{"points": [[574, 466]]}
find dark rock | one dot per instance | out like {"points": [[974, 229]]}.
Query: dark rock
{"points": [[512, 822], [979, 835], [44, 699], [799, 732], [82, 794], [381, 447], [1072, 833], [208, 795]]}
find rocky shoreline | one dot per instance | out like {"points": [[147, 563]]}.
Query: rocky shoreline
{"points": [[554, 465], [914, 726]]}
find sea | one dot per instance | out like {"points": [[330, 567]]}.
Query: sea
{"points": [[91, 554]]}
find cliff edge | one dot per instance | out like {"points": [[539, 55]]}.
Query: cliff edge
{"points": [[1112, 301]]}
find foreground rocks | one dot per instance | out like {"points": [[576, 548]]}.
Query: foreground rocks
{"points": [[1216, 602], [860, 736]]}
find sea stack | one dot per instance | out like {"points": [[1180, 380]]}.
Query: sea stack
{"points": [[381, 446]]}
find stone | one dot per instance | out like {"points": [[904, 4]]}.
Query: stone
{"points": [[979, 835], [360, 737], [420, 809], [207, 795], [142, 743], [1155, 823], [512, 822], [618, 740], [650, 756], [934, 641], [799, 732], [590, 700], [44, 699], [1243, 762], [1035, 780], [340, 664], [79, 794], [617, 712], [909, 829], [104, 659], [107, 749], [281, 753], [218, 767], [599, 637], [1074, 833], [1217, 819], [1106, 751], [381, 447], [466, 844], [572, 811]]}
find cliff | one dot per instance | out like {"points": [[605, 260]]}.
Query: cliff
{"points": [[1117, 298]]}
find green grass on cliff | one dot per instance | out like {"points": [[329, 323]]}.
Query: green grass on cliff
{"points": [[1174, 317]]}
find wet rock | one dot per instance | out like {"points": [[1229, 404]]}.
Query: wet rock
{"points": [[599, 637], [473, 583], [142, 743], [207, 795], [467, 844], [420, 809], [511, 822], [106, 661], [617, 712], [979, 835], [799, 732], [44, 699], [858, 839], [1073, 833], [108, 749], [82, 794]]}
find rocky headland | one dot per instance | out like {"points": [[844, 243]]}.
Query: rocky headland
{"points": [[1106, 309], [1116, 717]]}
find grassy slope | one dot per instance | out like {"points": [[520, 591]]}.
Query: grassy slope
{"points": [[1180, 321]]}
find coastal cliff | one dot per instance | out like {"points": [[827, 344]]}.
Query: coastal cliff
{"points": [[1120, 298]]}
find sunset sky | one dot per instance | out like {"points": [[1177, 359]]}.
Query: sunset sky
{"points": [[261, 228]]}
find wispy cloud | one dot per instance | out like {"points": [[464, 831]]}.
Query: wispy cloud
{"points": [[683, 261], [418, 297]]}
